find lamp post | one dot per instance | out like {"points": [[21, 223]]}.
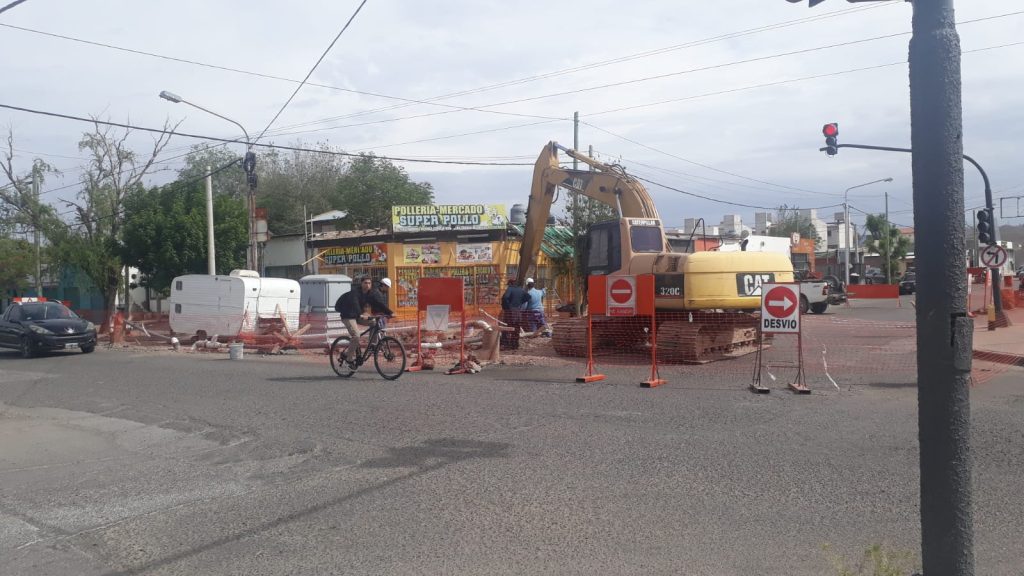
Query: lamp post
{"points": [[249, 165], [846, 223]]}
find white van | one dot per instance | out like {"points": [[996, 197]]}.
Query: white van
{"points": [[240, 303]]}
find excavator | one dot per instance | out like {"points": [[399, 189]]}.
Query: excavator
{"points": [[705, 301]]}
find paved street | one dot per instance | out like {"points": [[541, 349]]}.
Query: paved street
{"points": [[162, 463]]}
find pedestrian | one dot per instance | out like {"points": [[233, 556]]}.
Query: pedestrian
{"points": [[512, 303], [350, 307], [535, 308]]}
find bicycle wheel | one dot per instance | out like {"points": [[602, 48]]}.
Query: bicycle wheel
{"points": [[337, 353], [389, 358]]}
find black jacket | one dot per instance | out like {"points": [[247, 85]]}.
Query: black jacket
{"points": [[349, 304], [514, 298], [377, 301]]}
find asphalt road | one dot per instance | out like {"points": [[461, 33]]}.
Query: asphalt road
{"points": [[162, 463]]}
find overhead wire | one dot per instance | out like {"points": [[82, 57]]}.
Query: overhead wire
{"points": [[718, 200], [311, 70]]}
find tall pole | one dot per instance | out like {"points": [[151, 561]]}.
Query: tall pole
{"points": [[35, 227], [211, 255], [575, 137], [888, 242], [846, 237], [943, 329]]}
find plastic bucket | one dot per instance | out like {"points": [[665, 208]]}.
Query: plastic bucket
{"points": [[235, 350]]}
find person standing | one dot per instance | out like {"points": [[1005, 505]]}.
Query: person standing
{"points": [[512, 303], [535, 308]]}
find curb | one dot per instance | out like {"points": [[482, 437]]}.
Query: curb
{"points": [[999, 357]]}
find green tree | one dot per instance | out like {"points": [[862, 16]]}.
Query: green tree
{"points": [[789, 220], [294, 184], [892, 251], [370, 186], [227, 182], [20, 206], [165, 232], [18, 257], [92, 241]]}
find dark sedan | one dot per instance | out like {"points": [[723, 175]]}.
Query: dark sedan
{"points": [[909, 284], [35, 325]]}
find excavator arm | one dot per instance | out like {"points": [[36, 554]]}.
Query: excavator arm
{"points": [[604, 183]]}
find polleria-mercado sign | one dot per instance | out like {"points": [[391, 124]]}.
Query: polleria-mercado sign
{"points": [[448, 217]]}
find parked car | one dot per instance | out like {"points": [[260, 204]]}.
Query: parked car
{"points": [[908, 285], [33, 325], [874, 278]]}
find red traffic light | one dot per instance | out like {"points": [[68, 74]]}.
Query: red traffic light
{"points": [[830, 130]]}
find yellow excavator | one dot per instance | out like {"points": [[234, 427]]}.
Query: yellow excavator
{"points": [[705, 301]]}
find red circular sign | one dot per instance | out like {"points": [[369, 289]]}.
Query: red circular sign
{"points": [[621, 291], [779, 302]]}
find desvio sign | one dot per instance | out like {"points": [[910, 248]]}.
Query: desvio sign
{"points": [[780, 309], [621, 295]]}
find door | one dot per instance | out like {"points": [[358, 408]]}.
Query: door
{"points": [[9, 330]]}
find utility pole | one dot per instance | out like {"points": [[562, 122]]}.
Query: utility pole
{"points": [[35, 231], [943, 329], [888, 244], [211, 255]]}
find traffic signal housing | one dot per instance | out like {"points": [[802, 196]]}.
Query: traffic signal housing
{"points": [[831, 133], [984, 227]]}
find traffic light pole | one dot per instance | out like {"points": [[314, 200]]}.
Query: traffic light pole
{"points": [[997, 296]]}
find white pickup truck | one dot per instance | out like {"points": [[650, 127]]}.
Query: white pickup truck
{"points": [[816, 295]]}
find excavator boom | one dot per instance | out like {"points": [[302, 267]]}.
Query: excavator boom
{"points": [[604, 183]]}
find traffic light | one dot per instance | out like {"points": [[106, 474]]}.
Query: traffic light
{"points": [[984, 226], [831, 132]]}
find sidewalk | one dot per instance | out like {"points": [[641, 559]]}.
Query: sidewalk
{"points": [[1003, 345]]}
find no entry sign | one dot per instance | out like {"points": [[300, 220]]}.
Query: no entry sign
{"points": [[780, 309], [622, 296]]}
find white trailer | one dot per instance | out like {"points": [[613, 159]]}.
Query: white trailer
{"points": [[232, 305], [321, 291]]}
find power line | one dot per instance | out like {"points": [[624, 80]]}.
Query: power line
{"points": [[581, 68], [275, 146], [716, 200], [311, 70], [647, 78], [11, 5], [712, 168]]}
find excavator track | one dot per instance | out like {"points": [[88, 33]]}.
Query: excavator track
{"points": [[569, 337], [684, 342]]}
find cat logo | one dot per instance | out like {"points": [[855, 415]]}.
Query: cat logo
{"points": [[750, 284]]}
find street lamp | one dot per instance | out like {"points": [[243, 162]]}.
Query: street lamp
{"points": [[846, 222], [249, 165]]}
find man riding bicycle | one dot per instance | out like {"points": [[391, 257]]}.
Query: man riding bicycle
{"points": [[352, 306]]}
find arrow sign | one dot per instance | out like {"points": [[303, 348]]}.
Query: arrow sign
{"points": [[993, 256], [780, 310]]}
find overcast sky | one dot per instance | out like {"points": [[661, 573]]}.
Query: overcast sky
{"points": [[712, 132]]}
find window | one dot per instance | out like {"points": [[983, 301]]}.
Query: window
{"points": [[15, 314], [177, 307], [646, 239], [177, 285]]}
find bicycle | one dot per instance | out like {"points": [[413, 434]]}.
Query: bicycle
{"points": [[387, 351]]}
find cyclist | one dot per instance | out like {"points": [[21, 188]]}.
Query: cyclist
{"points": [[377, 299], [350, 306]]}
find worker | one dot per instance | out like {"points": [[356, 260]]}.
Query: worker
{"points": [[377, 299], [512, 303], [535, 308]]}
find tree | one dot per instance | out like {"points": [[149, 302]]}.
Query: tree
{"points": [[296, 184], [18, 259], [20, 206], [92, 242], [165, 232], [370, 186], [227, 182], [789, 220], [893, 250]]}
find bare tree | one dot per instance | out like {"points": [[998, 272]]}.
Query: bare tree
{"points": [[20, 206], [92, 241]]}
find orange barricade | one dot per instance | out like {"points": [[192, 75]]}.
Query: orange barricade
{"points": [[873, 291], [621, 325]]}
